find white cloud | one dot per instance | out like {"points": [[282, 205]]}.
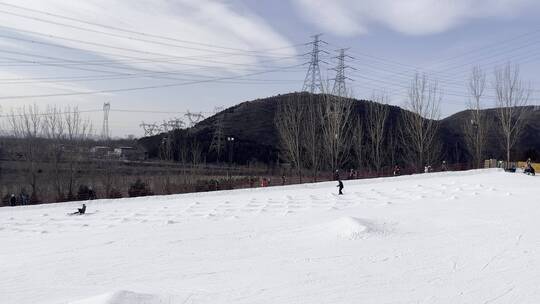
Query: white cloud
{"points": [[207, 21], [212, 22], [415, 17]]}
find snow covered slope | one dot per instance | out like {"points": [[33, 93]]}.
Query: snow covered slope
{"points": [[468, 237]]}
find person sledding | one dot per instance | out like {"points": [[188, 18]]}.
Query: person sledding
{"points": [[529, 169], [340, 186], [80, 211]]}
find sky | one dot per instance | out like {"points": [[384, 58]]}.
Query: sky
{"points": [[156, 60]]}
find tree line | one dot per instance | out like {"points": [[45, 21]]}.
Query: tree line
{"points": [[329, 132]]}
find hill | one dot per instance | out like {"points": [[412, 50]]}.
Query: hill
{"points": [[251, 123]]}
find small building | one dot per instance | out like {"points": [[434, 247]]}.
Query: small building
{"points": [[100, 151], [128, 153]]}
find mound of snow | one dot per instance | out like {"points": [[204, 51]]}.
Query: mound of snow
{"points": [[125, 297], [350, 228]]}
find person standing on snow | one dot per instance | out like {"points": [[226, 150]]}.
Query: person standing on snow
{"points": [[12, 200], [336, 175], [397, 171], [340, 186], [444, 167]]}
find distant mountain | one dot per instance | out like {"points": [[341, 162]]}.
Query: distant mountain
{"points": [[251, 123]]}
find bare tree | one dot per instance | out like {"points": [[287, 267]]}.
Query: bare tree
{"points": [[54, 127], [476, 129], [511, 97], [420, 123], [376, 128], [196, 152], [392, 141], [311, 138], [78, 131], [288, 122], [26, 125], [359, 141], [337, 129], [166, 152]]}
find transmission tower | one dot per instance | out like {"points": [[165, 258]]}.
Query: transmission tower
{"points": [[105, 134], [218, 139], [313, 82], [150, 129], [175, 124], [218, 109], [194, 118], [340, 87]]}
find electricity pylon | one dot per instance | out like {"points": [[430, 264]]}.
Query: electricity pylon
{"points": [[313, 81], [340, 86]]}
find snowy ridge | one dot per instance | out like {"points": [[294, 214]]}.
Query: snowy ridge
{"points": [[454, 237]]}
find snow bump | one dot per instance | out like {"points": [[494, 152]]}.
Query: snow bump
{"points": [[125, 297], [351, 228]]}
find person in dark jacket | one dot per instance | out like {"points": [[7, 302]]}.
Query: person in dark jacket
{"points": [[340, 186], [80, 210], [12, 200], [91, 194], [397, 170], [336, 175], [444, 167]]}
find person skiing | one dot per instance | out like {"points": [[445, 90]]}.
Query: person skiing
{"points": [[340, 186], [80, 210]]}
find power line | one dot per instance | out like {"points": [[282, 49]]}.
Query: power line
{"points": [[110, 47], [237, 53], [442, 75], [139, 33], [138, 88]]}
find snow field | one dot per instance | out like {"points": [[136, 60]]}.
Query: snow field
{"points": [[464, 237]]}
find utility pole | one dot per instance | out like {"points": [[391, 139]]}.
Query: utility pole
{"points": [[313, 81], [340, 87], [218, 139], [231, 140], [105, 133]]}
